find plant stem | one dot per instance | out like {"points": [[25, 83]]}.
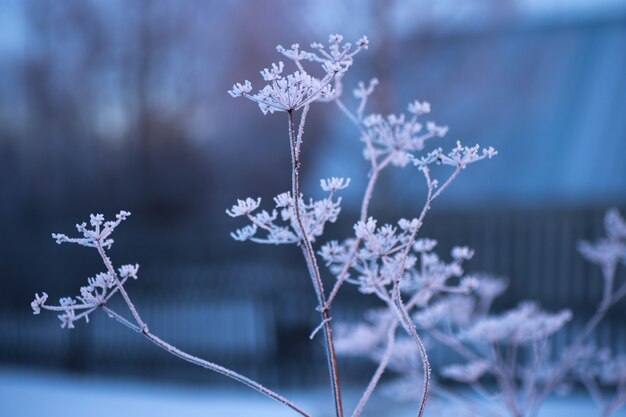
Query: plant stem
{"points": [[119, 286], [408, 324], [382, 365], [143, 329], [309, 255], [203, 363], [367, 197]]}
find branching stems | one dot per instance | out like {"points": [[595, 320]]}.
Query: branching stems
{"points": [[608, 300]]}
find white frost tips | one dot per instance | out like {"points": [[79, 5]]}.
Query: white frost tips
{"points": [[244, 233], [244, 207], [38, 302], [418, 108], [239, 89], [333, 184]]}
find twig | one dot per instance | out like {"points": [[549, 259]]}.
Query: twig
{"points": [[382, 366], [203, 363], [309, 255]]}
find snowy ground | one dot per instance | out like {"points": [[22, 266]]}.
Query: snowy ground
{"points": [[26, 393]]}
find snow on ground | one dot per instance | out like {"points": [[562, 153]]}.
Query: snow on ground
{"points": [[30, 393]]}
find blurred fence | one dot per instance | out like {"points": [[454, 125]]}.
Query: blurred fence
{"points": [[256, 316]]}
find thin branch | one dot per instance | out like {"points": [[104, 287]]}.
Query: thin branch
{"points": [[221, 370], [382, 366], [615, 405], [305, 111], [65, 308], [318, 328], [454, 344], [112, 314], [400, 306], [203, 363], [367, 197], [594, 391], [412, 331], [309, 254], [143, 329], [120, 287], [507, 386]]}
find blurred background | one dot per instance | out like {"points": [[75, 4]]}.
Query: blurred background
{"points": [[110, 105]]}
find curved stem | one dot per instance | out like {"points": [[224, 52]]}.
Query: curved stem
{"points": [[309, 255], [412, 331], [143, 329], [367, 197], [408, 324], [205, 364], [382, 366]]}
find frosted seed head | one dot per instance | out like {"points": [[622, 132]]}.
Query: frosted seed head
{"points": [[418, 108], [244, 207], [244, 233], [239, 89], [335, 183], [38, 302]]}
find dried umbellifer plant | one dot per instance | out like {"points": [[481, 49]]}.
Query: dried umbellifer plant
{"points": [[387, 261]]}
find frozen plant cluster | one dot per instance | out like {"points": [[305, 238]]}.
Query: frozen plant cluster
{"points": [[315, 215], [387, 260], [505, 358], [427, 300]]}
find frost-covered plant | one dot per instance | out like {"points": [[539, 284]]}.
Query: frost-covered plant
{"points": [[507, 358], [379, 260], [100, 289], [388, 261]]}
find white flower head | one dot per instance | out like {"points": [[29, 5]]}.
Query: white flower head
{"points": [[239, 89], [462, 252], [490, 287], [129, 271], [469, 284], [418, 108], [244, 207], [38, 302], [96, 219], [614, 224], [468, 373], [364, 229], [424, 245], [244, 233], [409, 225], [98, 236], [67, 319], [439, 131], [67, 301], [333, 184], [362, 91], [283, 200]]}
